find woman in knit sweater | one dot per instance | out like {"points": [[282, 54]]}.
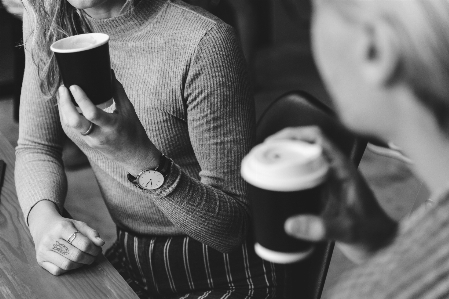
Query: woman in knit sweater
{"points": [[387, 65], [183, 107]]}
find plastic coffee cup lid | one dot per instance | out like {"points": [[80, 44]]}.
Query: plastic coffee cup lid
{"points": [[80, 42], [280, 257], [285, 165]]}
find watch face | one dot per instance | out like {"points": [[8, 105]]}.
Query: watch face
{"points": [[151, 179]]}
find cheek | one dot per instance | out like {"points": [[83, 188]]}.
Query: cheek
{"points": [[367, 119], [352, 113], [331, 41], [334, 41]]}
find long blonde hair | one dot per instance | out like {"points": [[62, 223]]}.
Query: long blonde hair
{"points": [[420, 31], [53, 20]]}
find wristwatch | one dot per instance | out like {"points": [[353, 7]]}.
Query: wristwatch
{"points": [[151, 179]]}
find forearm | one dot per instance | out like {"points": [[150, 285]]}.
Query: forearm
{"points": [[203, 212], [360, 254], [39, 176], [39, 172]]}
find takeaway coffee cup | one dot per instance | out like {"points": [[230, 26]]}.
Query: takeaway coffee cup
{"points": [[286, 179], [83, 60]]}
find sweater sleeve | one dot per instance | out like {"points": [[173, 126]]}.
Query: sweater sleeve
{"points": [[39, 172], [415, 265], [221, 122]]}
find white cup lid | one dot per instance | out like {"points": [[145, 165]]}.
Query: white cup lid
{"points": [[280, 257], [285, 165], [80, 42]]}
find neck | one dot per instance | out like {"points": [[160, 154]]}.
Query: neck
{"points": [[419, 136], [107, 9]]}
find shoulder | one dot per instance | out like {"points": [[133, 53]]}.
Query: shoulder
{"points": [[409, 265], [428, 215], [191, 23], [194, 15]]}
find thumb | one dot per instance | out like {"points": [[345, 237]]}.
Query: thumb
{"points": [[306, 227], [89, 232]]}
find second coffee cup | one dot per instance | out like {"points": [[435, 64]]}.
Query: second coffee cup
{"points": [[84, 60], [286, 179]]}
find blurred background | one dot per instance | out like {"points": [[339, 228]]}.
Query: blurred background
{"points": [[276, 42]]}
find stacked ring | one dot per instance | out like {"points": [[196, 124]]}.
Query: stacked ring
{"points": [[72, 237]]}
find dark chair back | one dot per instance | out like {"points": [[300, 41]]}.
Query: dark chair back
{"points": [[306, 279]]}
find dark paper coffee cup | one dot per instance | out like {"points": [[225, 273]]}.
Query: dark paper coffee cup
{"points": [[84, 60], [286, 179]]}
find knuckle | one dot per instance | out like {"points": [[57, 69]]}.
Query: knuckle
{"points": [[75, 256], [91, 114], [65, 265], [102, 141], [94, 143], [81, 223], [63, 225], [90, 142], [46, 240], [73, 123], [84, 245], [40, 253], [98, 142], [39, 261], [45, 247]]}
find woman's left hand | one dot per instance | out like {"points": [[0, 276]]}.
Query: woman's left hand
{"points": [[119, 135]]}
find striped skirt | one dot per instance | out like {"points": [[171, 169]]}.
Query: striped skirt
{"points": [[181, 267]]}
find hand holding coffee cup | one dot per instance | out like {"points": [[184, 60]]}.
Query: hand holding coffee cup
{"points": [[119, 136], [350, 215], [286, 178], [83, 60]]}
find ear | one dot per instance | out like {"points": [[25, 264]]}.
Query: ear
{"points": [[378, 53]]}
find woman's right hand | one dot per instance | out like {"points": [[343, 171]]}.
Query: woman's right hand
{"points": [[351, 214], [51, 231]]}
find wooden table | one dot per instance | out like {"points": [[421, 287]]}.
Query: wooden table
{"points": [[22, 277]]}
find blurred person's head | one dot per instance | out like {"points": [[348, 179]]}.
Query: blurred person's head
{"points": [[381, 58]]}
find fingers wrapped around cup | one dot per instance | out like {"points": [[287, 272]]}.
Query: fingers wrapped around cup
{"points": [[285, 177], [70, 115]]}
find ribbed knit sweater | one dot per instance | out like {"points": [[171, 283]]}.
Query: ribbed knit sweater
{"points": [[184, 73], [415, 266]]}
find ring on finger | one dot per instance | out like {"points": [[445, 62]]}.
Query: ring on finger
{"points": [[89, 130], [72, 237]]}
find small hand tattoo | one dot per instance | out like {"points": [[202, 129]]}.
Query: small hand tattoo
{"points": [[60, 248]]}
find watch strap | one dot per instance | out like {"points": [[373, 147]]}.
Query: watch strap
{"points": [[132, 179], [164, 166]]}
